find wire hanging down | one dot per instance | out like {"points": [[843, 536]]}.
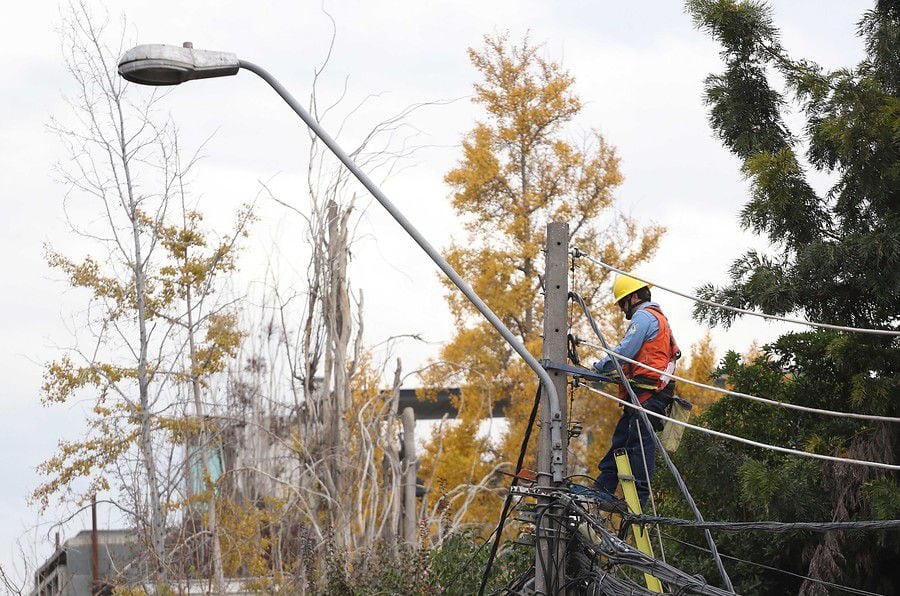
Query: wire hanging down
{"points": [[498, 530], [577, 253], [747, 441], [764, 400]]}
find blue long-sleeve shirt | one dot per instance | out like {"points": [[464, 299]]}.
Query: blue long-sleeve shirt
{"points": [[644, 327]]}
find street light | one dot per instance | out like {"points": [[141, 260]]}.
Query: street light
{"points": [[158, 64]]}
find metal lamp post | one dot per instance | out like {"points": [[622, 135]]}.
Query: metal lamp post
{"points": [[157, 64]]}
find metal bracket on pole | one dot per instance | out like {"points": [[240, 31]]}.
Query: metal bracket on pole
{"points": [[558, 467], [558, 450], [578, 372]]}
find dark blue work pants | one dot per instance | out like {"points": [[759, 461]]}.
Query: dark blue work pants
{"points": [[626, 436]]}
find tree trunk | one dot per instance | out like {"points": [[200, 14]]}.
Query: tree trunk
{"points": [[409, 478], [390, 493], [212, 518], [157, 517]]}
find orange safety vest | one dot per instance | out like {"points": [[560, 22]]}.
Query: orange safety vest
{"points": [[661, 352]]}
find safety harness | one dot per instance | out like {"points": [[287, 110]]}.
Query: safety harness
{"points": [[661, 353]]}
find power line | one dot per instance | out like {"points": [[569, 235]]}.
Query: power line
{"points": [[890, 332], [751, 442], [767, 526], [764, 400], [618, 552], [604, 543], [775, 569]]}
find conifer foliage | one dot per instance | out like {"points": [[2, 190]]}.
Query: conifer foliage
{"points": [[834, 258]]}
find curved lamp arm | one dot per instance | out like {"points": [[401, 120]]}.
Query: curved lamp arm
{"points": [[157, 64]]}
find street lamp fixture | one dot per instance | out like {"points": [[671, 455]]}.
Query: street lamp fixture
{"points": [[158, 64]]}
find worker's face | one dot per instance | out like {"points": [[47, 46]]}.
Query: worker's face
{"points": [[625, 305]]}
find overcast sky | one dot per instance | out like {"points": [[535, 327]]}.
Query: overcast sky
{"points": [[639, 68]]}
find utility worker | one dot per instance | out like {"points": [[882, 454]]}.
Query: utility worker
{"points": [[648, 340]]}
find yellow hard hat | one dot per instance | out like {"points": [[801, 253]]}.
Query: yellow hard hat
{"points": [[625, 285]]}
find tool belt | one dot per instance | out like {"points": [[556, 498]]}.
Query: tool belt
{"points": [[642, 385], [645, 384]]}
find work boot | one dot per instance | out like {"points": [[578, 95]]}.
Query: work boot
{"points": [[594, 494]]}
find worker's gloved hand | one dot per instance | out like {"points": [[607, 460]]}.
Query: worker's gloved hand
{"points": [[598, 366]]}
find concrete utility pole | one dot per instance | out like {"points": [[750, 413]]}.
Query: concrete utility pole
{"points": [[410, 527], [550, 560]]}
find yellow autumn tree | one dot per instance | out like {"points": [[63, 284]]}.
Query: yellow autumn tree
{"points": [[699, 368], [519, 171], [152, 333]]}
